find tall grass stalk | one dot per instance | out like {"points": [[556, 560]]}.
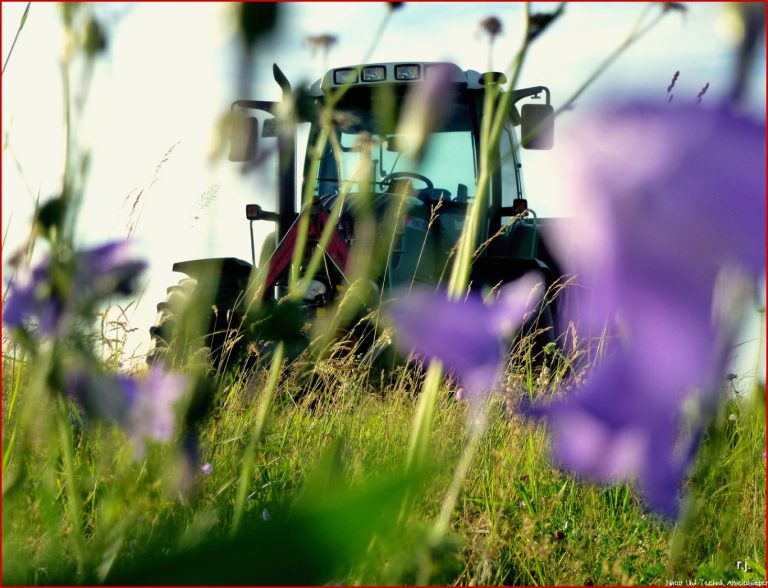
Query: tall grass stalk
{"points": [[636, 32], [326, 127], [491, 125], [74, 506], [249, 457]]}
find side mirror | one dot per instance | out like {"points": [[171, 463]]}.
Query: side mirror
{"points": [[538, 126], [244, 137]]}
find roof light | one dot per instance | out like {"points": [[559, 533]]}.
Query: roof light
{"points": [[345, 76], [374, 73], [407, 72], [495, 77]]}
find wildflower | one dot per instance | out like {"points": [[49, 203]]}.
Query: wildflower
{"points": [[465, 335], [206, 469], [151, 407], [30, 296], [144, 408], [56, 290], [657, 230]]}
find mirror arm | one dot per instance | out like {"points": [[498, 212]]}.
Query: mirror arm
{"points": [[518, 95]]}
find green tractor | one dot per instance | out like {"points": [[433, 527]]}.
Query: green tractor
{"points": [[418, 205]]}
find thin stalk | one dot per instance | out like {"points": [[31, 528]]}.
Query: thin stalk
{"points": [[16, 36], [9, 450], [476, 432], [756, 396], [422, 422], [74, 509], [491, 126], [635, 33], [303, 230], [326, 127], [16, 386], [261, 418]]}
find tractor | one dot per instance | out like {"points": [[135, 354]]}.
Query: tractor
{"points": [[418, 205]]}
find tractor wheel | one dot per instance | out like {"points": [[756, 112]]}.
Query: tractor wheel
{"points": [[185, 324]]}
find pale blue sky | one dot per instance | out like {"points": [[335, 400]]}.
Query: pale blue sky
{"points": [[170, 72]]}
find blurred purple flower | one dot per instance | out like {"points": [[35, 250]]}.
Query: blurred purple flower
{"points": [[206, 469], [144, 408], [151, 406], [465, 335], [50, 293], [669, 197], [30, 296]]}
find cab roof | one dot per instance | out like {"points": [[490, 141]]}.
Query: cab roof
{"points": [[400, 72]]}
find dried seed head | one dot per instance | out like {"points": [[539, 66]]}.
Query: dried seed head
{"points": [[674, 7], [322, 42], [492, 26], [673, 82], [701, 93]]}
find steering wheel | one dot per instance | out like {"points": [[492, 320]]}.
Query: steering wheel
{"points": [[389, 178]]}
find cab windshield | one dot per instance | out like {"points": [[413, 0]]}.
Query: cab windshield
{"points": [[447, 171]]}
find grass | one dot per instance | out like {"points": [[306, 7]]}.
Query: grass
{"points": [[320, 474], [518, 519]]}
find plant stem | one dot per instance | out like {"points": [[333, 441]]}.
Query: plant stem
{"points": [[634, 35], [73, 499], [21, 26], [261, 418]]}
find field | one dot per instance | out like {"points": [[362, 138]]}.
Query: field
{"points": [[327, 500], [567, 417]]}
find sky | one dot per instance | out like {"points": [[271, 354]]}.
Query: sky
{"points": [[170, 71]]}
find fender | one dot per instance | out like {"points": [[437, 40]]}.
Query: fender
{"points": [[223, 267], [223, 279]]}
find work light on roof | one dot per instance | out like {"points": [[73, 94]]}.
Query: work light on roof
{"points": [[374, 73], [345, 76], [407, 72]]}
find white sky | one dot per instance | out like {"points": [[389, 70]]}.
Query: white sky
{"points": [[170, 72]]}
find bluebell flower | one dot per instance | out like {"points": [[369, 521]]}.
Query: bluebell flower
{"points": [[669, 199], [152, 401], [53, 292], [143, 407], [466, 336]]}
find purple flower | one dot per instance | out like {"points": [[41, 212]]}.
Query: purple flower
{"points": [[669, 198], [144, 408], [465, 335], [613, 429], [206, 469], [53, 291], [151, 406], [31, 296]]}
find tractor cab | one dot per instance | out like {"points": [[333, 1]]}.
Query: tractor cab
{"points": [[375, 159], [368, 157]]}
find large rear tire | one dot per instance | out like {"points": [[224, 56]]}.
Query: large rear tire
{"points": [[196, 319]]}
